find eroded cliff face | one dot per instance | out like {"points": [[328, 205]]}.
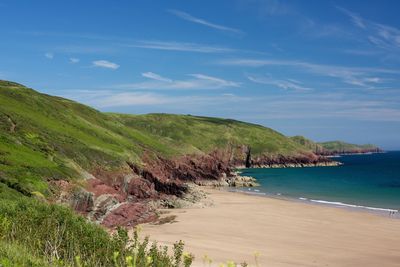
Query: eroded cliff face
{"points": [[305, 160], [131, 195]]}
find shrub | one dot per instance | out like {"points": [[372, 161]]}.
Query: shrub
{"points": [[54, 235]]}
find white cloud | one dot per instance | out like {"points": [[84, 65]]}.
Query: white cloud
{"points": [[360, 76], [188, 17], [288, 84], [268, 7], [199, 81], [154, 76], [49, 55], [183, 103], [254, 108], [130, 99], [97, 48], [177, 46], [74, 60], [380, 35], [359, 52], [221, 82], [356, 19], [105, 64]]}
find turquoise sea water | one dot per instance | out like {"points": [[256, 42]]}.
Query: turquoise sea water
{"points": [[364, 181]]}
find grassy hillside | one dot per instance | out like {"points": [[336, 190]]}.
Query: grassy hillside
{"points": [[333, 147], [342, 147], [203, 134], [313, 146], [45, 138]]}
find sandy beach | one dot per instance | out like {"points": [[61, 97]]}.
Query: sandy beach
{"points": [[285, 233]]}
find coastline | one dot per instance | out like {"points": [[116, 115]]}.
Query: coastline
{"points": [[291, 165], [333, 204], [284, 232]]}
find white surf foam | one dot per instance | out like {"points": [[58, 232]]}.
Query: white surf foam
{"points": [[337, 203]]}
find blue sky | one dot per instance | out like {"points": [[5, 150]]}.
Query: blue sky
{"points": [[324, 69]]}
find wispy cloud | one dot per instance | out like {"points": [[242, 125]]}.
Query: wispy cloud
{"points": [[154, 76], [268, 7], [105, 64], [74, 60], [113, 44], [188, 17], [355, 18], [86, 49], [214, 80], [178, 46], [380, 35], [128, 99], [316, 106], [360, 52], [181, 103], [288, 84], [255, 108], [359, 76], [158, 82], [49, 55]]}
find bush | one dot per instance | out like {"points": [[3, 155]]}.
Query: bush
{"points": [[54, 235]]}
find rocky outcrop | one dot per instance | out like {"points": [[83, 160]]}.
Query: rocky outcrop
{"points": [[242, 181], [131, 194], [292, 162], [129, 214], [82, 200], [190, 168], [13, 125]]}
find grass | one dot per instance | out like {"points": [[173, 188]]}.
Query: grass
{"points": [[34, 233], [316, 147], [339, 146], [332, 146], [12, 254], [41, 135], [45, 138]]}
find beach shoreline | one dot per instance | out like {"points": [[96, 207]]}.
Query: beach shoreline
{"points": [[387, 212], [283, 232]]}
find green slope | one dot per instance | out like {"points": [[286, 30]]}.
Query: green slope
{"points": [[193, 134], [333, 147], [46, 138], [313, 146], [342, 147]]}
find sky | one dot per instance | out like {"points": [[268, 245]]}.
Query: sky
{"points": [[328, 70]]}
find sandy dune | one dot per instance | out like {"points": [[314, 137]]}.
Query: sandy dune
{"points": [[285, 233]]}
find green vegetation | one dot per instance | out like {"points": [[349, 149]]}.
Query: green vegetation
{"points": [[333, 147], [33, 233], [191, 134], [313, 146], [46, 138], [339, 147]]}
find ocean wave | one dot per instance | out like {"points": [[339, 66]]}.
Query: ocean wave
{"points": [[337, 203]]}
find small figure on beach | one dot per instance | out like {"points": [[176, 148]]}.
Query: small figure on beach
{"points": [[393, 213]]}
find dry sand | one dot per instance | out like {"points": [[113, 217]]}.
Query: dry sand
{"points": [[285, 233]]}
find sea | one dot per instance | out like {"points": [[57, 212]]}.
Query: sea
{"points": [[368, 182]]}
